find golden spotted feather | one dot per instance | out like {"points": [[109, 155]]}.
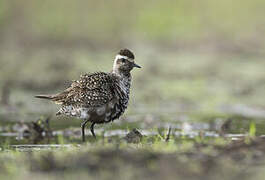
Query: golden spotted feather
{"points": [[91, 90]]}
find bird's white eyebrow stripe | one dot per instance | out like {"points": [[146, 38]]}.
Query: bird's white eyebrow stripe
{"points": [[121, 57]]}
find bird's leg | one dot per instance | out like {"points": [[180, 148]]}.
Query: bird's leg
{"points": [[83, 125], [92, 129]]}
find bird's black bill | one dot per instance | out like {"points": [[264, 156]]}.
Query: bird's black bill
{"points": [[136, 65]]}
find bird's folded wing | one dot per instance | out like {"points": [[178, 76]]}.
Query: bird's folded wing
{"points": [[91, 90]]}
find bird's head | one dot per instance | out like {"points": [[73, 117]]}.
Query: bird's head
{"points": [[124, 62]]}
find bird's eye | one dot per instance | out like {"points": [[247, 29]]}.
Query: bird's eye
{"points": [[123, 60]]}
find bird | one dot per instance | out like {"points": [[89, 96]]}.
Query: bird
{"points": [[99, 97]]}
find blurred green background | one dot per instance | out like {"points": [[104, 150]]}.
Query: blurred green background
{"points": [[204, 57]]}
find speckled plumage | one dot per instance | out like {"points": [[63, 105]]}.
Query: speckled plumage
{"points": [[98, 97], [104, 95]]}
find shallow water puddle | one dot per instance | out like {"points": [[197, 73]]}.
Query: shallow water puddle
{"points": [[25, 140], [40, 131]]}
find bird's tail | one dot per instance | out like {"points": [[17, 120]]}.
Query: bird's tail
{"points": [[45, 96]]}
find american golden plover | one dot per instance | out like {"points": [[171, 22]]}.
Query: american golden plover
{"points": [[98, 97]]}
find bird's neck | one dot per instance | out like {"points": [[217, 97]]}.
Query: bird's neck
{"points": [[124, 80], [122, 74], [125, 83]]}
